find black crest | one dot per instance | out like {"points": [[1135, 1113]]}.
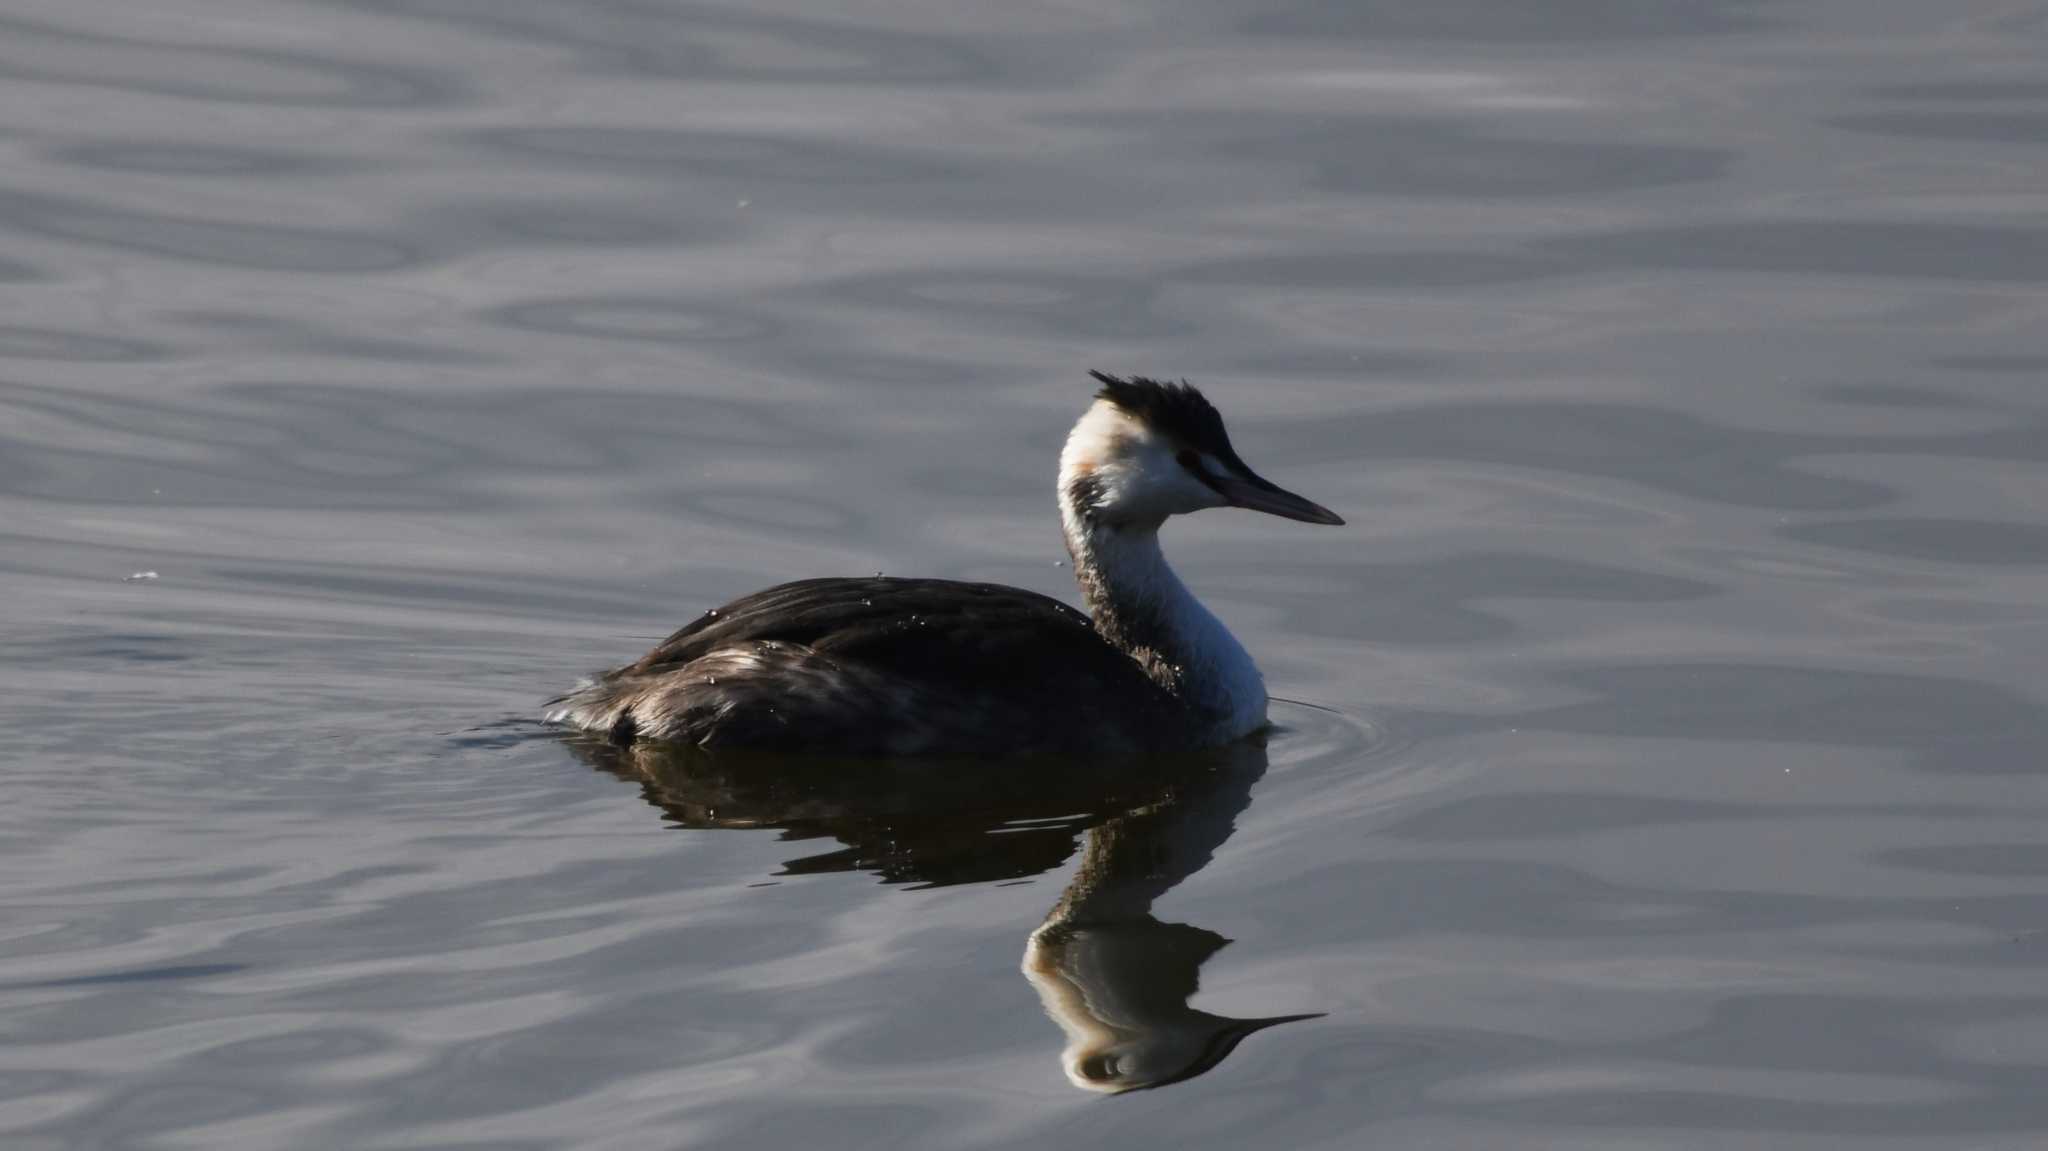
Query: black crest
{"points": [[1175, 410]]}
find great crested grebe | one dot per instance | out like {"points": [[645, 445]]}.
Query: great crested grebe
{"points": [[886, 666]]}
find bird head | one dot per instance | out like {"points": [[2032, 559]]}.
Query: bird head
{"points": [[1146, 450]]}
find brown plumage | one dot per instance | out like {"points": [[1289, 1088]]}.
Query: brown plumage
{"points": [[883, 666]]}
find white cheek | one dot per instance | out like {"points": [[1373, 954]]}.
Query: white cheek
{"points": [[1162, 487], [1194, 494], [1188, 493]]}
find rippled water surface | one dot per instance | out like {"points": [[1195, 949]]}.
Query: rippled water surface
{"points": [[1660, 753]]}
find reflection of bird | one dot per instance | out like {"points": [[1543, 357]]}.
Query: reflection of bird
{"points": [[917, 666], [1120, 991], [927, 822], [1113, 977], [1116, 979]]}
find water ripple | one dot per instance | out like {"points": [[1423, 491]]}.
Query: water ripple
{"points": [[185, 238], [47, 53], [1667, 766]]}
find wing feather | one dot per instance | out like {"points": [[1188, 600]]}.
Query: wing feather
{"points": [[884, 665], [916, 629]]}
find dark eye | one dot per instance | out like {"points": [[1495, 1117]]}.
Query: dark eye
{"points": [[1191, 459]]}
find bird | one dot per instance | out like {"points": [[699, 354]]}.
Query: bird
{"points": [[864, 667]]}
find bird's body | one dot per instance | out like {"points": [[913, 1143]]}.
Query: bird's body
{"points": [[884, 666]]}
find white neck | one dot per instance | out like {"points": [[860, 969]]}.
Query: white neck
{"points": [[1140, 605]]}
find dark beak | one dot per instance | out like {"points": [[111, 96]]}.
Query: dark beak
{"points": [[1249, 491]]}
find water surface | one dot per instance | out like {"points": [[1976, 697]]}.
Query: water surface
{"points": [[1660, 755]]}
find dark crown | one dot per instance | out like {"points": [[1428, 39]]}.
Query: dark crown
{"points": [[1174, 410]]}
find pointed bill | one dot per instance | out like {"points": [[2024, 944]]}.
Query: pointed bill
{"points": [[1249, 491]]}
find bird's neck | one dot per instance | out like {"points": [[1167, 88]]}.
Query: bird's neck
{"points": [[1140, 606]]}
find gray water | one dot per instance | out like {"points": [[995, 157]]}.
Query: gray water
{"points": [[1659, 750]]}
